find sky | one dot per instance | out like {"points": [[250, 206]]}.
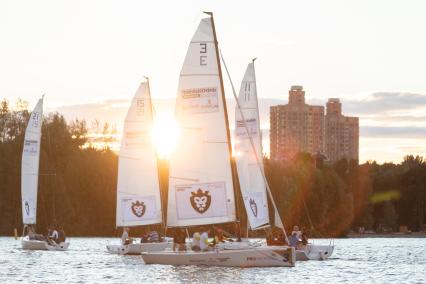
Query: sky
{"points": [[93, 54]]}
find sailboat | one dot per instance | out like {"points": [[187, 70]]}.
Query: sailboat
{"points": [[248, 144], [248, 148], [29, 180], [203, 181], [138, 186]]}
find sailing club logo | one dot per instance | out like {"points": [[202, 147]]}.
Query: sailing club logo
{"points": [[138, 208], [27, 208], [253, 207], [200, 200]]}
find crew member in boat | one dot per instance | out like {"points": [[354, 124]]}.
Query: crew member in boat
{"points": [[61, 235], [30, 232], [125, 239], [304, 236], [153, 237], [204, 240], [275, 237], [220, 236], [52, 235], [144, 237], [297, 232], [196, 237], [179, 239], [294, 237]]}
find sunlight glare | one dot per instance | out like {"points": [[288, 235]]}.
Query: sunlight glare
{"points": [[165, 134]]}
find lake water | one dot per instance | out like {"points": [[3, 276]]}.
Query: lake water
{"points": [[383, 260]]}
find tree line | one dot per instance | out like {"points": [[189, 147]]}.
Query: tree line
{"points": [[77, 185]]}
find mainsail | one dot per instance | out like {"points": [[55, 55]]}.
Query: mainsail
{"points": [[250, 173], [30, 164], [201, 187], [138, 189]]}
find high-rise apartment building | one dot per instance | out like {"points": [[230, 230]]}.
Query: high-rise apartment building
{"points": [[296, 127], [299, 127], [341, 133]]}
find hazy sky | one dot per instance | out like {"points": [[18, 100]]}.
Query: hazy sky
{"points": [[371, 52]]}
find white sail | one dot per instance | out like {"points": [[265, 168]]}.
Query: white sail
{"points": [[250, 173], [138, 190], [30, 165], [200, 183]]}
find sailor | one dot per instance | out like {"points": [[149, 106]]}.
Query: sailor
{"points": [[61, 235], [294, 237], [297, 232], [52, 236], [204, 240], [179, 240], [196, 241], [219, 237], [144, 237], [153, 237], [125, 239], [30, 232]]}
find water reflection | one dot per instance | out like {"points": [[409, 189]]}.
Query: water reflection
{"points": [[354, 260]]}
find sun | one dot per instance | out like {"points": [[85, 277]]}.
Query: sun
{"points": [[165, 134]]}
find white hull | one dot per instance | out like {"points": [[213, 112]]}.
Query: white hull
{"points": [[28, 244], [138, 248], [314, 252], [253, 257]]}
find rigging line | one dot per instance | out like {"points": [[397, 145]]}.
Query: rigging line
{"points": [[254, 148], [54, 182]]}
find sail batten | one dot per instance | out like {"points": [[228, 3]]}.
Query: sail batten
{"points": [[248, 146], [30, 164], [205, 193], [138, 189]]}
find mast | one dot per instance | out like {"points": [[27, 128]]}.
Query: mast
{"points": [[228, 133], [156, 154]]}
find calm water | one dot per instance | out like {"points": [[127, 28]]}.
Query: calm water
{"points": [[354, 260]]}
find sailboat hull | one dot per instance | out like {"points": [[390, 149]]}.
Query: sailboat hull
{"points": [[136, 249], [254, 257], [28, 244], [314, 252]]}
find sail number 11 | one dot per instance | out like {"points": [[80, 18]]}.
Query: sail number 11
{"points": [[203, 50]]}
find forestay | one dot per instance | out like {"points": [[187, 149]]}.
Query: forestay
{"points": [[138, 190], [200, 182], [250, 173], [30, 164]]}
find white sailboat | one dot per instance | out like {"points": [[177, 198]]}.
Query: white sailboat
{"points": [[202, 179], [248, 148], [138, 187], [29, 180], [248, 144]]}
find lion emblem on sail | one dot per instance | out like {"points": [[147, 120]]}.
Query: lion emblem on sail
{"points": [[200, 200], [138, 208], [253, 207]]}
